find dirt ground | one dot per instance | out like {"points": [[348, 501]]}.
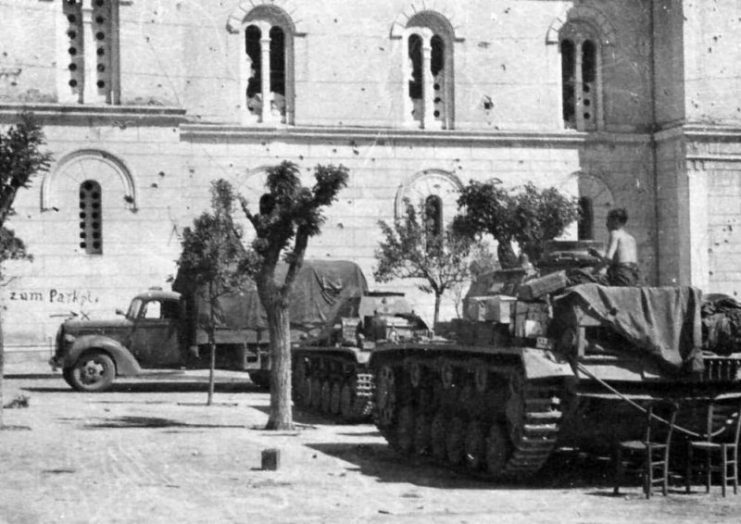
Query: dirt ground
{"points": [[151, 451]]}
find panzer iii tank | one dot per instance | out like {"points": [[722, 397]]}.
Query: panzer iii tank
{"points": [[330, 371], [518, 378]]}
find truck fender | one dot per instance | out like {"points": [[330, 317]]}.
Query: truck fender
{"points": [[541, 363], [126, 364]]}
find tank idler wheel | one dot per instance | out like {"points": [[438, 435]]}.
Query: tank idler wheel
{"points": [[447, 375], [475, 446], [334, 399], [346, 402], [455, 438], [437, 436], [422, 439], [405, 430], [325, 396], [481, 378], [386, 387], [515, 407], [304, 392], [316, 394], [415, 374], [498, 449]]}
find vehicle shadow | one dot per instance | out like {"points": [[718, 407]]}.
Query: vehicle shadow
{"points": [[148, 386], [139, 422], [564, 470]]}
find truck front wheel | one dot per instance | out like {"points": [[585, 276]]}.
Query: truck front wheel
{"points": [[94, 371]]}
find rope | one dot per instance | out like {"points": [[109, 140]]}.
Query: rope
{"points": [[633, 403]]}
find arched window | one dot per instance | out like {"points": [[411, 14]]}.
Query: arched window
{"points": [[433, 216], [91, 218], [580, 77], [268, 66], [585, 223], [428, 66], [91, 51]]}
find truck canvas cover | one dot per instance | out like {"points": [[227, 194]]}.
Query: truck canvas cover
{"points": [[661, 321], [320, 289]]}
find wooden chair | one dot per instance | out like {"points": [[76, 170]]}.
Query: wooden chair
{"points": [[721, 441], [653, 449]]}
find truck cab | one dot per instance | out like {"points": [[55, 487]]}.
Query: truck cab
{"points": [[91, 353]]}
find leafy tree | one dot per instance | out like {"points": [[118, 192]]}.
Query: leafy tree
{"points": [[288, 215], [410, 250], [21, 157], [528, 216], [212, 257]]}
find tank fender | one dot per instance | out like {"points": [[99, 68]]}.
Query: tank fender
{"points": [[126, 364], [541, 363]]}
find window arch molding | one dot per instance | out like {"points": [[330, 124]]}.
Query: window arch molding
{"points": [[284, 11], [114, 164], [444, 16], [431, 182], [585, 14]]}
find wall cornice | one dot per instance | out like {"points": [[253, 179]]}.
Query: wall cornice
{"points": [[500, 138], [700, 132], [109, 115]]}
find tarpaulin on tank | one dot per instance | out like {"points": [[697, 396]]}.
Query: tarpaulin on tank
{"points": [[320, 288], [663, 321]]}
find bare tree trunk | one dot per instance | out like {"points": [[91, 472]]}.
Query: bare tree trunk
{"points": [[2, 368], [506, 255], [281, 411], [436, 317], [211, 344]]}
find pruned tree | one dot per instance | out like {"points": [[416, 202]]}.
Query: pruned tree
{"points": [[527, 215], [411, 250], [21, 157], [288, 215], [213, 257]]}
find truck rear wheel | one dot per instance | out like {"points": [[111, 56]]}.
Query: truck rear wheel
{"points": [[94, 371]]}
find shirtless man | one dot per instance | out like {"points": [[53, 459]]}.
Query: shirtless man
{"points": [[622, 253]]}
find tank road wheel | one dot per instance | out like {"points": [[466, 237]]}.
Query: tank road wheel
{"points": [[299, 374], [405, 430], [386, 390], [316, 394], [346, 402], [455, 438], [325, 396], [305, 392], [475, 446], [437, 436], [515, 407], [94, 371], [498, 450], [422, 438], [334, 399]]}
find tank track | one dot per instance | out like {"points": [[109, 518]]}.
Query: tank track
{"points": [[480, 417], [333, 387]]}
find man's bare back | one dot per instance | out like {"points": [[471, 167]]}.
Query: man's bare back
{"points": [[622, 253], [622, 248]]}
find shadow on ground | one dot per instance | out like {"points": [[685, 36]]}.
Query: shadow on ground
{"points": [[150, 386], [150, 423], [565, 470]]}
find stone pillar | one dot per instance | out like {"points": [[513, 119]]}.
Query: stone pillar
{"points": [[90, 88], [267, 96], [428, 82], [578, 86]]}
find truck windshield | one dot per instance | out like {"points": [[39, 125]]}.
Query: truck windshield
{"points": [[134, 308]]}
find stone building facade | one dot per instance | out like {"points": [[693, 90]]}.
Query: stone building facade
{"points": [[628, 103]]}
